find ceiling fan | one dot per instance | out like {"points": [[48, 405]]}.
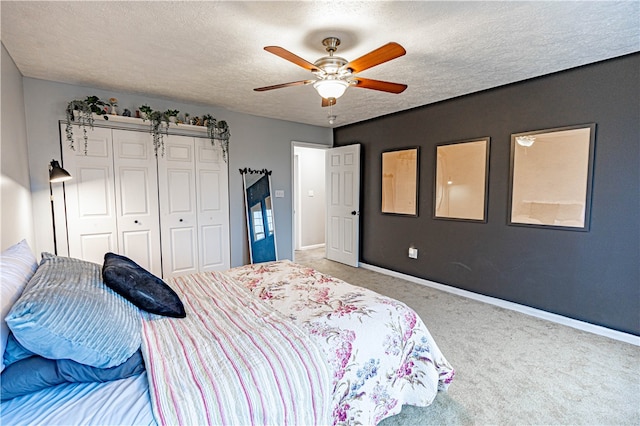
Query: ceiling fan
{"points": [[335, 74]]}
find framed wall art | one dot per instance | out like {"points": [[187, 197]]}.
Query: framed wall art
{"points": [[400, 181], [551, 177], [462, 170]]}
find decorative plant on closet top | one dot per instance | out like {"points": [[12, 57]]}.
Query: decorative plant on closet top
{"points": [[82, 111], [218, 130], [159, 123]]}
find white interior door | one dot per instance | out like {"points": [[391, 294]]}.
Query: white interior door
{"points": [[343, 204], [91, 210], [178, 210], [136, 185], [212, 192]]}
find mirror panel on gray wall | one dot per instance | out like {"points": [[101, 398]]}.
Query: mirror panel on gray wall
{"points": [[461, 180], [400, 181], [551, 174], [260, 220]]}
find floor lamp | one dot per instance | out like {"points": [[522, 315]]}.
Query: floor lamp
{"points": [[56, 174]]}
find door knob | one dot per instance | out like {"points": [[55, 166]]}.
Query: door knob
{"points": [[354, 213], [135, 221], [181, 220]]}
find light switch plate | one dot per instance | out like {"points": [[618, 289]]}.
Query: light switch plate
{"points": [[279, 193]]}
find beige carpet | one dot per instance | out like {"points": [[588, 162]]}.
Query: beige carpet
{"points": [[511, 368]]}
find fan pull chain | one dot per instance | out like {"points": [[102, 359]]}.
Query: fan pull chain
{"points": [[332, 118]]}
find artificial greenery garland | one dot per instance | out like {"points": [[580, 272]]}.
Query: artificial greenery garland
{"points": [[159, 123], [86, 108]]}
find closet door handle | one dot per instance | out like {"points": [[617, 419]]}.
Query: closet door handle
{"points": [[181, 220], [135, 221]]}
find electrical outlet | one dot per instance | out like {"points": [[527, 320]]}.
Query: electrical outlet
{"points": [[413, 253]]}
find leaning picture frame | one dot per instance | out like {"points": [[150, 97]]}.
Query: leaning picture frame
{"points": [[400, 176]]}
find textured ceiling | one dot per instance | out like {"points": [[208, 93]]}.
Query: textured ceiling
{"points": [[212, 52]]}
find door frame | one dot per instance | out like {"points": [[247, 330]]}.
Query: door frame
{"points": [[295, 180]]}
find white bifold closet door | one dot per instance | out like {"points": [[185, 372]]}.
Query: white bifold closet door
{"points": [[112, 200], [137, 212], [194, 207]]}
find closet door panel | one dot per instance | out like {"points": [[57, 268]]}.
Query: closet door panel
{"points": [[94, 191], [93, 246], [90, 195], [133, 188], [180, 201], [137, 199], [183, 254], [212, 248], [213, 207], [139, 246], [178, 207]]}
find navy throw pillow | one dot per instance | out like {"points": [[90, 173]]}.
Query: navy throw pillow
{"points": [[140, 286], [35, 373]]}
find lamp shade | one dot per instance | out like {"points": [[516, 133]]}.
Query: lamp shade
{"points": [[57, 173], [330, 88]]}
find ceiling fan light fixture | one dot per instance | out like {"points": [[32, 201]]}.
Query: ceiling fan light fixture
{"points": [[526, 140], [330, 88], [333, 74]]}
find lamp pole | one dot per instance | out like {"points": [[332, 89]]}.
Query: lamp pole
{"points": [[56, 174], [53, 220]]}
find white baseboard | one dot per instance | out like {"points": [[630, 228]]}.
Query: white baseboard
{"points": [[570, 322], [311, 247]]}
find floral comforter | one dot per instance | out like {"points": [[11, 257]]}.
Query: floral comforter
{"points": [[380, 352]]}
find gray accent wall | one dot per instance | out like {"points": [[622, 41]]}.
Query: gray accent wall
{"points": [[590, 276]]}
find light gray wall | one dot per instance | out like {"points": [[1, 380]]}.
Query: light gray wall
{"points": [[15, 205], [256, 142]]}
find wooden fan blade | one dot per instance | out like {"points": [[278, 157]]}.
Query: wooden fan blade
{"points": [[376, 57], [285, 54], [327, 102], [279, 86], [383, 86]]}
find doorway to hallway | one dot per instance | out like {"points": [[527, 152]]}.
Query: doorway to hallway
{"points": [[309, 196]]}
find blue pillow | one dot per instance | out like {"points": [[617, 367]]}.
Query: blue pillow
{"points": [[66, 312], [35, 373], [141, 287], [15, 351]]}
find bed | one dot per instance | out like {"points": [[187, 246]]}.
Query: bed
{"points": [[272, 343]]}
